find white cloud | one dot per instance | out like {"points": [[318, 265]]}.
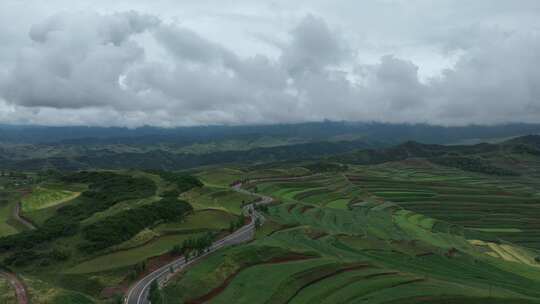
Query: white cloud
{"points": [[348, 62]]}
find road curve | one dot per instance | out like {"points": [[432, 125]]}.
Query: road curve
{"points": [[138, 293], [16, 283]]}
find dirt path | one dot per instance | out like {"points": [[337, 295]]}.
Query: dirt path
{"points": [[20, 289], [22, 220]]}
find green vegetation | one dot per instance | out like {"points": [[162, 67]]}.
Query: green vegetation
{"points": [[7, 293], [154, 295], [41, 198], [123, 226], [472, 164], [218, 267], [409, 224], [7, 205], [125, 258], [218, 198], [399, 232], [193, 247], [105, 190], [13, 185], [183, 182]]}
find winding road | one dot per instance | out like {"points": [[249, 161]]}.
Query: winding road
{"points": [[138, 293], [20, 289]]}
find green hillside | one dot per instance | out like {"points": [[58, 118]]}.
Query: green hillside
{"points": [[410, 224]]}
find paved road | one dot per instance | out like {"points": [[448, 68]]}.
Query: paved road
{"points": [[17, 216], [20, 290], [138, 293]]}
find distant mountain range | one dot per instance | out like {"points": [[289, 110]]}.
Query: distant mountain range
{"points": [[376, 133], [507, 158], [328, 145]]}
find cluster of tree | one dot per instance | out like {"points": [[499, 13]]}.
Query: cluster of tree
{"points": [[137, 270], [122, 226], [262, 208], [105, 190], [238, 223], [183, 182], [154, 294], [171, 193], [472, 164], [194, 246], [27, 257]]}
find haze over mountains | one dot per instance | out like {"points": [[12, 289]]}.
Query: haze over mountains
{"points": [[71, 148]]}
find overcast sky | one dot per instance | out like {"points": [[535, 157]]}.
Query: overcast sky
{"points": [[174, 63]]}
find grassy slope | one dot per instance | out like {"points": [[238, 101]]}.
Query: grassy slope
{"points": [[41, 198], [218, 198]]}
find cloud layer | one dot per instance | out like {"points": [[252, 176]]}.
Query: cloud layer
{"points": [[131, 69]]}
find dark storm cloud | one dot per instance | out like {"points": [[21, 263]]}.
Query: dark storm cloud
{"points": [[129, 68]]}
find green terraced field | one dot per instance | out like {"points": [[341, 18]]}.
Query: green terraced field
{"points": [[414, 233], [365, 255], [476, 202]]}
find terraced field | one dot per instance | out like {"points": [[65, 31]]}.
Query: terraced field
{"points": [[398, 232], [366, 254], [502, 207], [409, 232]]}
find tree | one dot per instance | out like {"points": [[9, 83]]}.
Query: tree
{"points": [[154, 295], [118, 299]]}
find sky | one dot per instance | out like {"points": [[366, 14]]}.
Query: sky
{"points": [[174, 63]]}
